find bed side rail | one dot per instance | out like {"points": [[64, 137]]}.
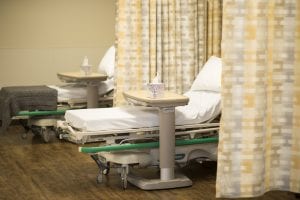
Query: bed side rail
{"points": [[130, 146]]}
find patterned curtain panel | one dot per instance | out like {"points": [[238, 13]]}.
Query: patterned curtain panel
{"points": [[171, 38], [259, 138]]}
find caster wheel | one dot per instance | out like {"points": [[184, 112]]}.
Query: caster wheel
{"points": [[105, 171], [46, 133], [24, 136], [106, 168], [124, 184], [100, 178], [124, 177]]}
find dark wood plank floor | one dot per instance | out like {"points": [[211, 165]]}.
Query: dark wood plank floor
{"points": [[31, 169]]}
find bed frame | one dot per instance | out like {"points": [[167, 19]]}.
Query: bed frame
{"points": [[142, 151], [69, 133]]}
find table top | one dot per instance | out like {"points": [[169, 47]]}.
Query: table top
{"points": [[80, 76], [169, 99]]}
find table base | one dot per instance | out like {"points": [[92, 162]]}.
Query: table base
{"points": [[156, 184]]}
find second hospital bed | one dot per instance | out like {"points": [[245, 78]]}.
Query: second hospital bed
{"points": [[74, 95], [39, 107]]}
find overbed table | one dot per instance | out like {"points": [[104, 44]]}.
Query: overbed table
{"points": [[91, 81], [166, 106]]}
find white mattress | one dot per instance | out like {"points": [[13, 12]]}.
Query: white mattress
{"points": [[78, 91], [202, 106]]}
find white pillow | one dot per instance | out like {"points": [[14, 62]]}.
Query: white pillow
{"points": [[209, 78], [107, 64]]}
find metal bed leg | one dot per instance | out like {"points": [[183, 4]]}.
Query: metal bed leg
{"points": [[124, 172], [24, 123], [103, 168]]}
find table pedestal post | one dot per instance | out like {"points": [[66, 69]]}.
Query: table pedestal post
{"points": [[167, 179], [92, 96], [167, 142]]}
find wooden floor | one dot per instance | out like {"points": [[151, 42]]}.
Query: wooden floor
{"points": [[31, 169]]}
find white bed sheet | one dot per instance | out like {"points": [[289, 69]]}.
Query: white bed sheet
{"points": [[78, 91], [202, 106]]}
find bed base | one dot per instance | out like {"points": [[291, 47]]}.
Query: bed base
{"points": [[41, 123], [198, 142], [128, 157]]}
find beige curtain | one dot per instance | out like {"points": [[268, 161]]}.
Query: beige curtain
{"points": [[259, 146], [170, 37]]}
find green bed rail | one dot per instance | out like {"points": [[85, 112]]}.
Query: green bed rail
{"points": [[147, 145], [41, 113]]}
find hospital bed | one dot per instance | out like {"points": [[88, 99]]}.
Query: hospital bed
{"points": [[131, 133], [118, 123], [40, 118], [74, 93]]}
